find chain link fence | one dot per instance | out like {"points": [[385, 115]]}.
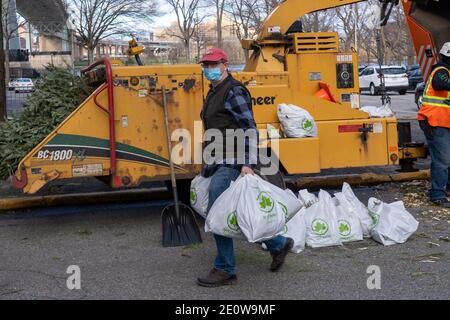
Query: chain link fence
{"points": [[25, 73]]}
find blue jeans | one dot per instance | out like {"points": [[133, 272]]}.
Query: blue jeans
{"points": [[438, 139], [225, 260]]}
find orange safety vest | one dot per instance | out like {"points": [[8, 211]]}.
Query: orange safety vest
{"points": [[435, 104]]}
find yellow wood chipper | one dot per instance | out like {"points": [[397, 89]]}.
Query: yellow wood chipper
{"points": [[118, 132]]}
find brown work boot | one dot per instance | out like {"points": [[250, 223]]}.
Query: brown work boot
{"points": [[279, 257], [217, 278]]}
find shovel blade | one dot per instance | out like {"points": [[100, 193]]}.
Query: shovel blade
{"points": [[179, 230]]}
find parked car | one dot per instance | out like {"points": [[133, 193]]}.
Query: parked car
{"points": [[395, 78], [418, 93], [414, 67], [236, 67], [23, 85], [414, 77], [361, 68], [12, 84]]}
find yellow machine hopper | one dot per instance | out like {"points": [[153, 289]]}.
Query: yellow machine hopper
{"points": [[118, 132]]}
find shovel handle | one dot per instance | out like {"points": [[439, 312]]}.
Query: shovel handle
{"points": [[169, 147]]}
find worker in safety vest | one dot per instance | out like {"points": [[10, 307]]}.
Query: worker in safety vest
{"points": [[434, 119]]}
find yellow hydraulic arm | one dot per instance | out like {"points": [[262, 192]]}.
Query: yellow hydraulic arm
{"points": [[276, 26], [283, 16]]}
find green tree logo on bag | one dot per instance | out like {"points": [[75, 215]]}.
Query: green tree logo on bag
{"points": [[284, 209], [193, 196], [232, 221], [265, 202], [344, 228], [319, 227], [375, 219], [285, 229], [307, 125]]}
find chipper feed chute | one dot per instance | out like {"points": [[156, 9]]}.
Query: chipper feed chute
{"points": [[118, 132]]}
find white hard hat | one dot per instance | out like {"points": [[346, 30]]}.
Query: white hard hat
{"points": [[445, 51]]}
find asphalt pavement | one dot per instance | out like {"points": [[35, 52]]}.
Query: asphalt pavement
{"points": [[118, 251]]}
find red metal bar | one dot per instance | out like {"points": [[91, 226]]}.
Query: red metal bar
{"points": [[104, 86], [112, 132]]}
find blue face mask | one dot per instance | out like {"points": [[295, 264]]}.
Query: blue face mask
{"points": [[212, 74]]}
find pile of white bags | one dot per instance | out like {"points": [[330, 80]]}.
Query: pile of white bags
{"points": [[393, 224], [296, 229], [348, 223], [199, 194], [379, 112], [255, 210], [252, 207], [321, 223], [359, 209], [296, 122], [332, 221], [307, 199]]}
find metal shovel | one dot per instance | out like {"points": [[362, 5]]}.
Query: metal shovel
{"points": [[179, 227]]}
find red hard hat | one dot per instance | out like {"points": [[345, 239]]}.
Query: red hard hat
{"points": [[214, 55]]}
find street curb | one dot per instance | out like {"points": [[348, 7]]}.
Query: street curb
{"points": [[84, 198], [336, 181]]}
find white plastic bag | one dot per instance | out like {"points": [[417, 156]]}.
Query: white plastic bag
{"points": [[307, 199], [348, 223], [222, 217], [272, 132], [296, 229], [383, 111], [199, 194], [321, 223], [259, 213], [289, 203], [296, 122], [359, 208], [394, 224]]}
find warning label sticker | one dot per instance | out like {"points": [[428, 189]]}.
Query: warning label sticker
{"points": [[354, 97], [344, 58], [377, 127], [142, 93], [84, 170]]}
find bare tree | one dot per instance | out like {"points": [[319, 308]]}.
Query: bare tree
{"points": [[242, 13], [2, 71], [358, 25], [349, 21], [95, 20], [319, 21], [175, 53], [367, 45], [248, 16], [398, 41], [219, 6], [9, 32], [266, 7], [188, 18], [202, 38]]}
